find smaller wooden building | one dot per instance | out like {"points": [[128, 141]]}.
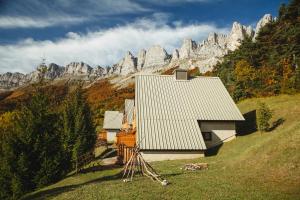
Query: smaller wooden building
{"points": [[112, 124]]}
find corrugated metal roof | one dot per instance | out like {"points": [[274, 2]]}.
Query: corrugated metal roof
{"points": [[167, 110], [112, 120], [129, 109]]}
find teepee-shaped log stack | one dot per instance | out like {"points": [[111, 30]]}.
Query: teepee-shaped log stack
{"points": [[137, 164]]}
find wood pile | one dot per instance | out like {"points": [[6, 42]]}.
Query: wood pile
{"points": [[137, 165], [195, 166]]}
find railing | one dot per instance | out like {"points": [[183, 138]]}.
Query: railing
{"points": [[124, 153], [127, 138], [126, 143]]}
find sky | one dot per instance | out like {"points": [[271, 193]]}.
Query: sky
{"points": [[100, 32]]}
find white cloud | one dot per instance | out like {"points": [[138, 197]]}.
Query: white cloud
{"points": [[103, 47], [170, 2], [41, 14], [29, 22]]}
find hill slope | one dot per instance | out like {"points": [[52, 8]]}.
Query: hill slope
{"points": [[253, 166]]}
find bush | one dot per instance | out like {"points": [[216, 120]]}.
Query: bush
{"points": [[264, 114]]}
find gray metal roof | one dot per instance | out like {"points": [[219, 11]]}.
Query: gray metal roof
{"points": [[167, 110], [112, 120], [129, 109]]}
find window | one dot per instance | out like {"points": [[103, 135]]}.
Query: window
{"points": [[207, 136]]}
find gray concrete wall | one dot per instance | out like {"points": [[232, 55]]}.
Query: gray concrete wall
{"points": [[161, 155], [222, 131]]}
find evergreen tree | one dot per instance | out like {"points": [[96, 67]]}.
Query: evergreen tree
{"points": [[79, 131], [32, 157], [264, 115], [282, 11]]}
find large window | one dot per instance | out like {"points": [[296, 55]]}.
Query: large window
{"points": [[207, 136]]}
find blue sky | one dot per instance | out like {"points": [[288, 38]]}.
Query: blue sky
{"points": [[100, 32]]}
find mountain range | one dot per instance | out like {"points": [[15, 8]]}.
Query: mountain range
{"points": [[204, 55]]}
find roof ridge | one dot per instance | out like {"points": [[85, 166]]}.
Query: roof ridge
{"points": [[213, 77]]}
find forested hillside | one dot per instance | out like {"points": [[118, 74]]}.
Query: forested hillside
{"points": [[269, 65]]}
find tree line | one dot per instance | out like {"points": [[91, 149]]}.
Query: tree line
{"points": [[39, 141]]}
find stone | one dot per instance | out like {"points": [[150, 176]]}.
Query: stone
{"points": [[54, 71], [156, 56], [188, 49], [12, 80], [141, 59], [128, 64], [77, 68], [98, 71], [175, 55], [236, 36]]}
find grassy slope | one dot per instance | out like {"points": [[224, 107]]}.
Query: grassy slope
{"points": [[254, 166]]}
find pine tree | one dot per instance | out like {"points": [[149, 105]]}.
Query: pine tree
{"points": [[282, 11], [79, 131], [264, 114], [32, 157]]}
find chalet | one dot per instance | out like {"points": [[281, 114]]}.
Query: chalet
{"points": [[112, 124], [178, 117]]}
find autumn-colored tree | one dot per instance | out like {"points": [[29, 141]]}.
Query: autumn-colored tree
{"points": [[6, 121], [245, 76], [270, 81], [288, 76], [297, 78]]}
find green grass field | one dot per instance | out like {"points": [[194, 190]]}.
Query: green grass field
{"points": [[253, 166]]}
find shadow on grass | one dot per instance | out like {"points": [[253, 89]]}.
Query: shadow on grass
{"points": [[276, 123], [59, 190], [213, 150], [248, 126], [109, 152], [50, 193], [99, 168]]}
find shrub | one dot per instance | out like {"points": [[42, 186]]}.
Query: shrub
{"points": [[264, 114]]}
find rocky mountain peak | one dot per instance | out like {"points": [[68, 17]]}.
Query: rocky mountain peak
{"points": [[78, 68], [212, 38], [267, 18], [188, 49], [156, 56], [127, 64], [141, 59], [98, 71], [175, 55], [237, 34], [11, 80]]}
